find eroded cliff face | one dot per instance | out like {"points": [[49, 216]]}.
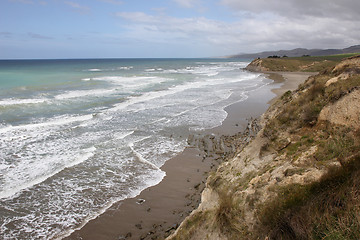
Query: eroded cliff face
{"points": [[264, 191], [345, 111]]}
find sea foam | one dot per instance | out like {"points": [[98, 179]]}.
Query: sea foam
{"points": [[56, 121], [13, 101], [30, 174]]}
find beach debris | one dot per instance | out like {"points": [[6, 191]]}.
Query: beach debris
{"points": [[173, 227], [140, 201], [127, 236]]}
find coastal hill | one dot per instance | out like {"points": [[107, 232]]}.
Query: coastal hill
{"points": [[298, 52], [298, 178], [297, 64]]}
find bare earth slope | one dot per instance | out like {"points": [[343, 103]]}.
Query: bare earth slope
{"points": [[298, 177]]}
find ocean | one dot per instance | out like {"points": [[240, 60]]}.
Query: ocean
{"points": [[77, 136]]}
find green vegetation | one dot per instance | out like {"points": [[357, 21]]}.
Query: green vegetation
{"points": [[304, 64]]}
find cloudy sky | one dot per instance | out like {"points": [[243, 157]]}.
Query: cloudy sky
{"points": [[172, 28]]}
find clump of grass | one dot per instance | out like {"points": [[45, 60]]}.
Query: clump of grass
{"points": [[225, 212], [271, 131], [229, 216], [293, 171], [264, 149], [288, 115], [287, 96], [293, 148], [311, 114], [326, 209], [317, 90], [214, 180]]}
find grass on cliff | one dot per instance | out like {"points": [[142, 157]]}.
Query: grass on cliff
{"points": [[303, 111], [327, 209], [304, 64]]}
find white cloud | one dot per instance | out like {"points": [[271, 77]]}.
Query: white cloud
{"points": [[41, 2], [115, 2], [139, 17], [38, 36], [186, 3], [166, 24], [299, 23], [23, 1], [345, 9], [76, 6], [256, 32]]}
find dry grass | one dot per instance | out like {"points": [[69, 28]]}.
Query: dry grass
{"points": [[229, 216], [327, 209], [191, 225]]}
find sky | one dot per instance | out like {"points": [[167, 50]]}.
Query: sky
{"points": [[35, 29]]}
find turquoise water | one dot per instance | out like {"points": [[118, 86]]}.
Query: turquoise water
{"points": [[79, 135]]}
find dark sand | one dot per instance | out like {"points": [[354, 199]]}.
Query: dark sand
{"points": [[169, 202]]}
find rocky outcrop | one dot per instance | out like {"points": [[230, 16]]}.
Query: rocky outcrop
{"points": [[345, 111], [223, 145], [256, 66], [349, 65]]}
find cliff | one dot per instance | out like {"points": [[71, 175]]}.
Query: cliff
{"points": [[298, 176]]}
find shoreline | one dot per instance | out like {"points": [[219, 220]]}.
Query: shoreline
{"points": [[158, 210]]}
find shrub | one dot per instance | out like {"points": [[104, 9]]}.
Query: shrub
{"points": [[286, 96], [311, 114], [317, 90]]}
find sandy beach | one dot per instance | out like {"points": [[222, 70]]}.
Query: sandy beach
{"points": [[158, 210], [289, 81]]}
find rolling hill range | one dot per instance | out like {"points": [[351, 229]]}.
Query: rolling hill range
{"points": [[298, 52]]}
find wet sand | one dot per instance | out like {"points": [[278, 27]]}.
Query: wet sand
{"points": [[158, 210]]}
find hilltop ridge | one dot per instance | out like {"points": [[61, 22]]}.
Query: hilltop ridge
{"points": [[298, 52]]}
